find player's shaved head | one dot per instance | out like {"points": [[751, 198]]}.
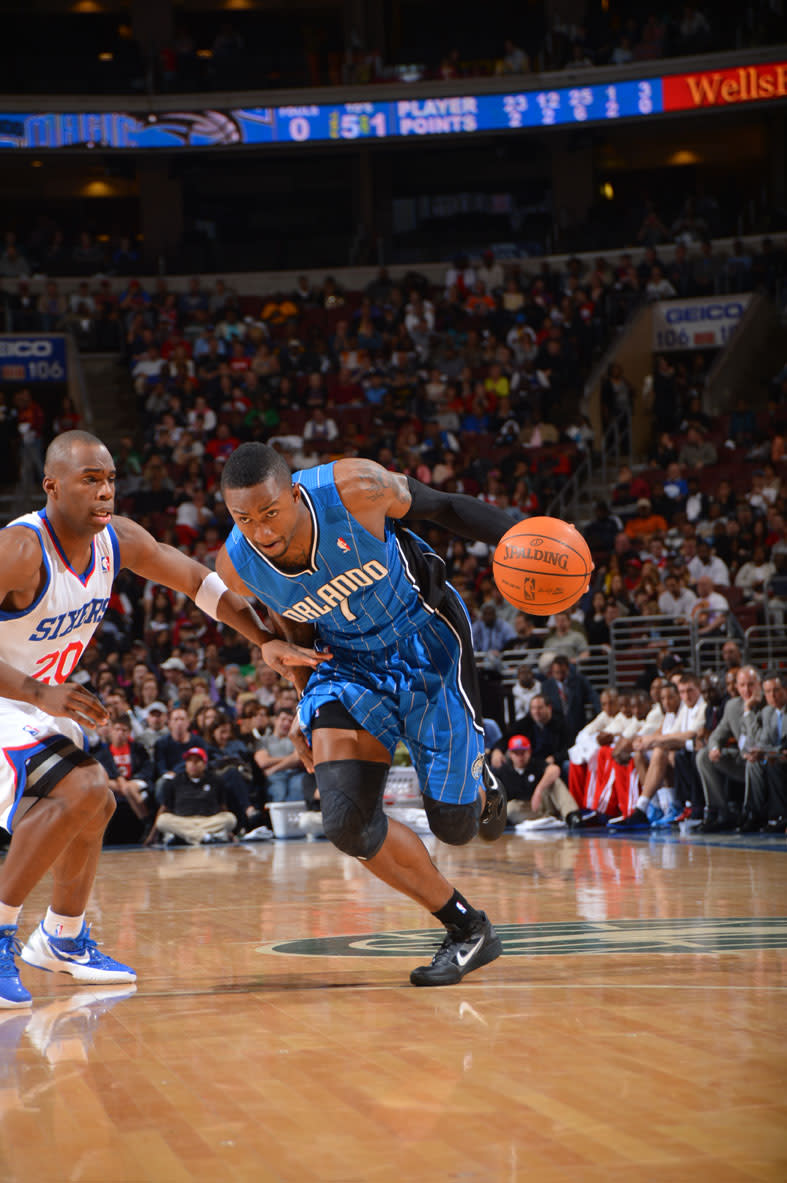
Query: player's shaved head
{"points": [[253, 463], [60, 453]]}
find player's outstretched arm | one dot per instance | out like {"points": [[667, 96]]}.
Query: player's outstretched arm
{"points": [[142, 554], [21, 572], [372, 493]]}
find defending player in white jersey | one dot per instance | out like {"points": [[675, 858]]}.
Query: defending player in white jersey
{"points": [[56, 571]]}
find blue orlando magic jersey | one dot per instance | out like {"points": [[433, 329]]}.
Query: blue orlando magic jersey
{"points": [[360, 592]]}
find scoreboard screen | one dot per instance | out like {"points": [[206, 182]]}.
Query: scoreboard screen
{"points": [[397, 119]]}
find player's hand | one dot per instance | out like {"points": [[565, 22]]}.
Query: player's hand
{"points": [[282, 656], [70, 701], [714, 754], [302, 749]]}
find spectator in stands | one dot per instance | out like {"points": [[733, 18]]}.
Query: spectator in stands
{"points": [[524, 690], [752, 578], [615, 394], [765, 754], [706, 563], [13, 264], [169, 750], [275, 755], [658, 286], [30, 423], [601, 532], [711, 609], [192, 806], [154, 728], [676, 600], [565, 640], [490, 273], [491, 633], [684, 718], [693, 31], [526, 637], [534, 786], [645, 523], [628, 490], [722, 760], [546, 731], [697, 452], [707, 271], [514, 60], [319, 428], [569, 691]]}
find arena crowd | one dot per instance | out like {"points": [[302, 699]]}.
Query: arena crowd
{"points": [[473, 385]]}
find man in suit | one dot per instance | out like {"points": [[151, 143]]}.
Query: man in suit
{"points": [[570, 692], [721, 759], [765, 800], [546, 731]]}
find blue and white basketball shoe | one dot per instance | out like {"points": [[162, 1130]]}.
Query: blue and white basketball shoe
{"points": [[12, 992], [78, 956]]}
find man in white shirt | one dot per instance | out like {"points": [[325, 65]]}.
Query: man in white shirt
{"points": [[320, 427], [684, 718], [676, 601], [711, 608], [707, 563], [524, 690]]}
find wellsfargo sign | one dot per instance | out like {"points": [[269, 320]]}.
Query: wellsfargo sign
{"points": [[720, 88]]}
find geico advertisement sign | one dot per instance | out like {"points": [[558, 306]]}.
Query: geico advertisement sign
{"points": [[33, 347], [683, 314]]}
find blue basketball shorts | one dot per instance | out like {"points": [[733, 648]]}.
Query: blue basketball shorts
{"points": [[423, 691]]}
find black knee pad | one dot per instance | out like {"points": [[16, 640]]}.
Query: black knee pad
{"points": [[351, 799], [451, 823]]}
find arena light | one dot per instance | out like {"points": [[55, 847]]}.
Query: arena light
{"points": [[106, 56], [607, 190], [684, 156]]}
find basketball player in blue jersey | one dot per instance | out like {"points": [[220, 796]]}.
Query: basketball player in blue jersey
{"points": [[56, 573], [327, 552]]}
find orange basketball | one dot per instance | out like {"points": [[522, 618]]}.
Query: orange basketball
{"points": [[542, 565]]}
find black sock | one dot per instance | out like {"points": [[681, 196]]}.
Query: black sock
{"points": [[457, 913]]}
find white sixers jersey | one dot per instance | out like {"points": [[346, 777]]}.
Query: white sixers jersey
{"points": [[47, 639]]}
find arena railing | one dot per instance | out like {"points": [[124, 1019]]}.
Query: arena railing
{"points": [[597, 668], [637, 639], [766, 646]]}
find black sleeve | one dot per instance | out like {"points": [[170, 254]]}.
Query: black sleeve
{"points": [[466, 516]]}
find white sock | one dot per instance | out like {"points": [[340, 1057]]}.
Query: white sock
{"points": [[643, 802], [9, 916], [62, 926], [665, 798]]}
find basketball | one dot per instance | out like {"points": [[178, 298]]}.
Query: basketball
{"points": [[542, 565]]}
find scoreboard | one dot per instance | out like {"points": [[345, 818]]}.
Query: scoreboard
{"points": [[396, 119]]}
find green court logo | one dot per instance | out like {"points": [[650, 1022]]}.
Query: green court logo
{"points": [[681, 935]]}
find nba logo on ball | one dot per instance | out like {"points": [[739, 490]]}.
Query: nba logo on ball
{"points": [[542, 565]]}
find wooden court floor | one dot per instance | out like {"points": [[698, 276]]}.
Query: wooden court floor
{"points": [[635, 1030]]}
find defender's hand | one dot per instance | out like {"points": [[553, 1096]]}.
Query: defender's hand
{"points": [[70, 701]]}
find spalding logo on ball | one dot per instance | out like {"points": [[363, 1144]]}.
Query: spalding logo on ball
{"points": [[542, 565]]}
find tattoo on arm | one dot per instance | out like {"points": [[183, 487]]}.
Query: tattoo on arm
{"points": [[377, 484]]}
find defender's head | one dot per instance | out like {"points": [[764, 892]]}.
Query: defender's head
{"points": [[79, 481]]}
